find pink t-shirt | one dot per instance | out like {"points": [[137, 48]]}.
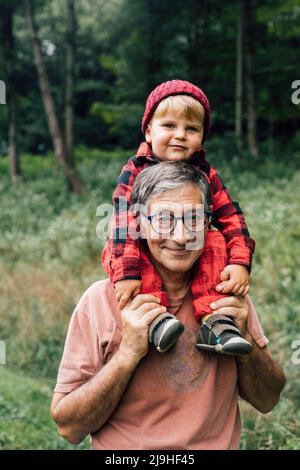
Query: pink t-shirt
{"points": [[182, 399]]}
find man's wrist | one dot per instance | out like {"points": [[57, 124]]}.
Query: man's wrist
{"points": [[248, 337], [126, 359]]}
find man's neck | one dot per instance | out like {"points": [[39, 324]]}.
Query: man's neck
{"points": [[175, 284]]}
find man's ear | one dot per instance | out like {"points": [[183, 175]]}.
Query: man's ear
{"points": [[148, 134]]}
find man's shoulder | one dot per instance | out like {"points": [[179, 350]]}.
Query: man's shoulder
{"points": [[95, 295], [99, 287]]}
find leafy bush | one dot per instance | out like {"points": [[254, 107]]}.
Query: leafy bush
{"points": [[25, 421]]}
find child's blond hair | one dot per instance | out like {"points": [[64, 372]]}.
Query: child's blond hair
{"points": [[183, 104]]}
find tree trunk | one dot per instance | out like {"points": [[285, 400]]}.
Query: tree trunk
{"points": [[8, 42], [57, 135], [251, 112], [197, 42], [13, 152], [239, 78], [70, 72], [155, 42]]}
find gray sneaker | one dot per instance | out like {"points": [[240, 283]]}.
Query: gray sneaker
{"points": [[164, 331], [219, 334]]}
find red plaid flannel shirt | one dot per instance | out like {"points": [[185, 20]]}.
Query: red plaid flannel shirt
{"points": [[121, 254]]}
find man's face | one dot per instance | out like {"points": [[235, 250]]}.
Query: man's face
{"points": [[175, 137], [176, 251]]}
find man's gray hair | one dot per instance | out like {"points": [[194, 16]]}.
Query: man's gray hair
{"points": [[165, 176]]}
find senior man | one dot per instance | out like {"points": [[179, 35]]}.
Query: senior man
{"points": [[113, 385]]}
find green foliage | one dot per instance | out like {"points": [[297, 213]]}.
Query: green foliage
{"points": [[47, 236], [25, 421], [50, 254], [124, 121], [268, 192], [126, 47]]}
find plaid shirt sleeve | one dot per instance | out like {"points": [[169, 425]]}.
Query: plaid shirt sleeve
{"points": [[121, 254], [229, 219]]}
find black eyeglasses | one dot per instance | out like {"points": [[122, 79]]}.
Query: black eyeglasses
{"points": [[165, 221]]}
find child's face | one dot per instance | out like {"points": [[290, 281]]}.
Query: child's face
{"points": [[174, 136]]}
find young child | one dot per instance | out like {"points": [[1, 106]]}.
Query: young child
{"points": [[176, 124]]}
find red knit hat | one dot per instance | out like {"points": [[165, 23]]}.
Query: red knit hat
{"points": [[176, 87]]}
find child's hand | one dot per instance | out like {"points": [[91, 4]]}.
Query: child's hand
{"points": [[126, 289], [235, 279]]}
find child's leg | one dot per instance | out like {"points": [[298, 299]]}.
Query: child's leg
{"points": [[165, 329], [217, 332], [151, 280], [206, 275]]}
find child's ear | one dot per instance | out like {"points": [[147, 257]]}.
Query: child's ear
{"points": [[148, 134]]}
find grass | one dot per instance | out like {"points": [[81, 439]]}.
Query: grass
{"points": [[24, 414], [49, 254]]}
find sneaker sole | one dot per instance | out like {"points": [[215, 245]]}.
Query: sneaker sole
{"points": [[172, 331], [233, 348], [240, 348]]}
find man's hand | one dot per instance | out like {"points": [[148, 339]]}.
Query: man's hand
{"points": [[235, 279], [235, 307], [87, 408], [136, 318], [126, 290]]}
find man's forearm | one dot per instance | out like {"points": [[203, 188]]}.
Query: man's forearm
{"points": [[87, 408], [261, 380]]}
